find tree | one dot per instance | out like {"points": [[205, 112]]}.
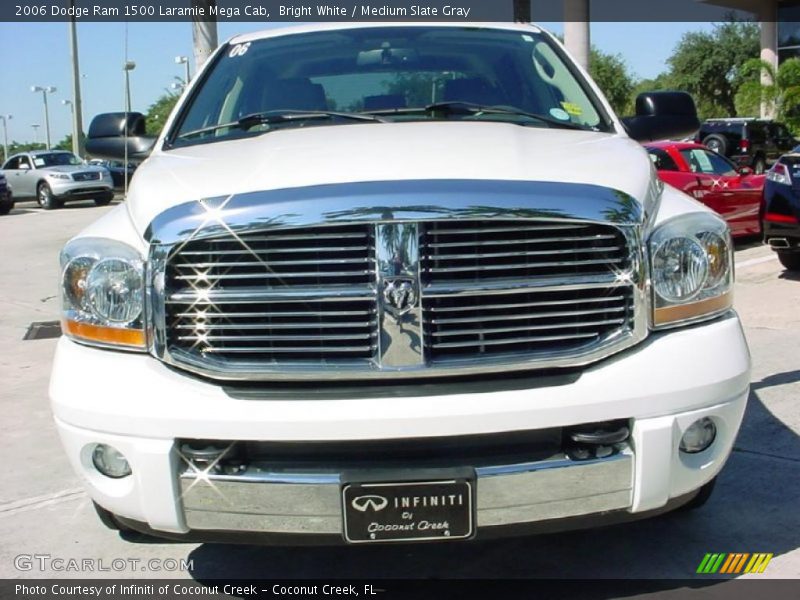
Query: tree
{"points": [[611, 74], [780, 93], [17, 147], [65, 143], [709, 65], [158, 112]]}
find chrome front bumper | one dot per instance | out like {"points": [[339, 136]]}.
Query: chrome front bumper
{"points": [[272, 502]]}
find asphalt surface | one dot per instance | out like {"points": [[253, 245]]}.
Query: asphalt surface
{"points": [[44, 510]]}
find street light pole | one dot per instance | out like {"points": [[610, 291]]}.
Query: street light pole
{"points": [[184, 60], [5, 135], [128, 67], [77, 108], [72, 113], [49, 89]]}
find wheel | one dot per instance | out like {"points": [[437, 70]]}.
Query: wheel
{"points": [[717, 143], [701, 498], [5, 207], [104, 200], [759, 166], [108, 519], [790, 260], [45, 198]]}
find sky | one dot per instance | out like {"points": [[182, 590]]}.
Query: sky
{"points": [[39, 54]]}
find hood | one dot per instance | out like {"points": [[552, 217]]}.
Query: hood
{"points": [[386, 152]]}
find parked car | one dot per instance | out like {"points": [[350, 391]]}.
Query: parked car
{"points": [[54, 177], [734, 192], [119, 172], [782, 215], [6, 199], [754, 143], [342, 306]]}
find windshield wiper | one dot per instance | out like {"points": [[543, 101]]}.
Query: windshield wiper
{"points": [[459, 107], [470, 108], [272, 117]]}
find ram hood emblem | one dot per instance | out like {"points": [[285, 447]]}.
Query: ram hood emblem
{"points": [[400, 294]]}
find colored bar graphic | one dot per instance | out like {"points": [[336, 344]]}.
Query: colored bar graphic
{"points": [[733, 563], [758, 563], [711, 563]]}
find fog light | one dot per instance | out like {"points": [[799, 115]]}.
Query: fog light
{"points": [[699, 436], [110, 461]]}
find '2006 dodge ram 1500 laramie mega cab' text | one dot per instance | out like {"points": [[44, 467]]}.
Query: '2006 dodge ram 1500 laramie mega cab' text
{"points": [[400, 282]]}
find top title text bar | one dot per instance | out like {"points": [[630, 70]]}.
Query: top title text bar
{"points": [[364, 10]]}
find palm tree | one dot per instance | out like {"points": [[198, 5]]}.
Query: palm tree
{"points": [[779, 90]]}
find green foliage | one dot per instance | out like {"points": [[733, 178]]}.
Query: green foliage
{"points": [[709, 65], [16, 147], [780, 90], [158, 112], [611, 74], [64, 144]]}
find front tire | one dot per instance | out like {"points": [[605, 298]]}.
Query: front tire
{"points": [[790, 260], [104, 200], [45, 198]]}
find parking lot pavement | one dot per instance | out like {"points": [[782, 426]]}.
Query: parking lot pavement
{"points": [[43, 509]]}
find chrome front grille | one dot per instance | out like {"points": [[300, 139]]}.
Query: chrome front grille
{"points": [[399, 299], [86, 176], [477, 251], [301, 294], [529, 322], [462, 321]]}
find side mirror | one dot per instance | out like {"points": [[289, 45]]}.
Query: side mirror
{"points": [[745, 171], [662, 116], [111, 135]]}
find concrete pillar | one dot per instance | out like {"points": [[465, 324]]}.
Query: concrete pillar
{"points": [[769, 46], [576, 30]]}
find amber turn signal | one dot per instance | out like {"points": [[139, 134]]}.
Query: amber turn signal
{"points": [[133, 338]]}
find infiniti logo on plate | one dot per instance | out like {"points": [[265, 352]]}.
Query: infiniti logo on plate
{"points": [[376, 503]]}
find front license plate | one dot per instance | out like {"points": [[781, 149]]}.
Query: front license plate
{"points": [[401, 512]]}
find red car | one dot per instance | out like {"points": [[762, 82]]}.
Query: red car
{"points": [[733, 192]]}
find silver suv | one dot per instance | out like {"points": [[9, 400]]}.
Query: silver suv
{"points": [[55, 177]]}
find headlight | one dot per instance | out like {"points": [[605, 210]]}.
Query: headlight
{"points": [[102, 287], [691, 269], [62, 176]]}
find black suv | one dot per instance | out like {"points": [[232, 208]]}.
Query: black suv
{"points": [[754, 143]]}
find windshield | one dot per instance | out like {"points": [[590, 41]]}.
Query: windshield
{"points": [[397, 73], [56, 159]]}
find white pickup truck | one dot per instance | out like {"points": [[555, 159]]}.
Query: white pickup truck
{"points": [[392, 283]]}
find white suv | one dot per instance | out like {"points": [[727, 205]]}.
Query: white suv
{"points": [[382, 283]]}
